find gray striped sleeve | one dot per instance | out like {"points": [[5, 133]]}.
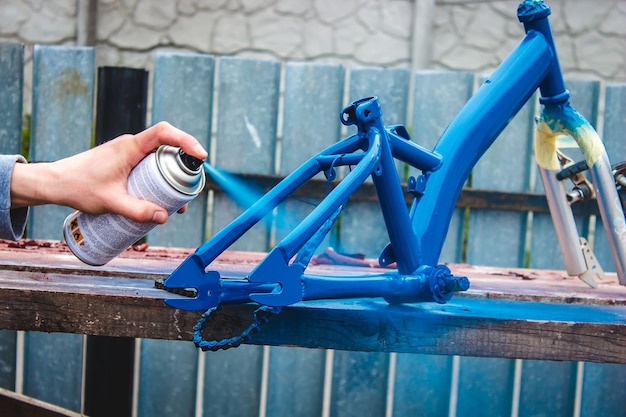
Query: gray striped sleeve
{"points": [[12, 221]]}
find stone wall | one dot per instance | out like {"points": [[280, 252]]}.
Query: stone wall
{"points": [[590, 35], [470, 35]]}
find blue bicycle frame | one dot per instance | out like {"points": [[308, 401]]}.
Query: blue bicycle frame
{"points": [[416, 235]]}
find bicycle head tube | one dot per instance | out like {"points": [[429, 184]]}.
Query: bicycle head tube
{"points": [[533, 14]]}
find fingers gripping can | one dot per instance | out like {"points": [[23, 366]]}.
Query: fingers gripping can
{"points": [[167, 177]]}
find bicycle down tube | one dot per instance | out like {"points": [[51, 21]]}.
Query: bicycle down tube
{"points": [[417, 234]]}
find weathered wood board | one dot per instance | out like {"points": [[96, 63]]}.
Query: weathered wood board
{"points": [[508, 312]]}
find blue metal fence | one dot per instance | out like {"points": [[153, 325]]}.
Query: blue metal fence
{"points": [[264, 117]]}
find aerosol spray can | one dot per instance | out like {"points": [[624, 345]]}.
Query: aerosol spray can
{"points": [[167, 177]]}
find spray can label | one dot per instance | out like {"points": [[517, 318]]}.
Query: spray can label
{"points": [[167, 177]]}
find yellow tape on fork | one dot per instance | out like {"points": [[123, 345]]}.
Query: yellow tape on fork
{"points": [[556, 127]]}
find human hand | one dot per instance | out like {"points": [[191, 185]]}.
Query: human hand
{"points": [[95, 181]]}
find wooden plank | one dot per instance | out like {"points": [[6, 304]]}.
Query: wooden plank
{"points": [[599, 380], [53, 368], [469, 198], [391, 86], [13, 404], [245, 142], [566, 321], [8, 344], [505, 166], [544, 250], [62, 116], [313, 100], [360, 379], [601, 395], [485, 384], [247, 112]]}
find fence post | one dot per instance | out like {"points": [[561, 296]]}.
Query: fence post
{"points": [[497, 238], [313, 95], [182, 95], [359, 379], [438, 96], [614, 137], [121, 108], [600, 379], [558, 379], [248, 92], [11, 84], [310, 124], [61, 125]]}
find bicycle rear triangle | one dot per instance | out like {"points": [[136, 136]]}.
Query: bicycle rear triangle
{"points": [[416, 234], [280, 278]]}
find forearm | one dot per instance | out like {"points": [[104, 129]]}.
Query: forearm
{"points": [[34, 184], [95, 181]]}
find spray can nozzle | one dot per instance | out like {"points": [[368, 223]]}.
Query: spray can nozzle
{"points": [[190, 162]]}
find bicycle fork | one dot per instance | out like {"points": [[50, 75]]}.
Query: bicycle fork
{"points": [[559, 120]]}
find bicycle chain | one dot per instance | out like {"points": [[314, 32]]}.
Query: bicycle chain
{"points": [[260, 316]]}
